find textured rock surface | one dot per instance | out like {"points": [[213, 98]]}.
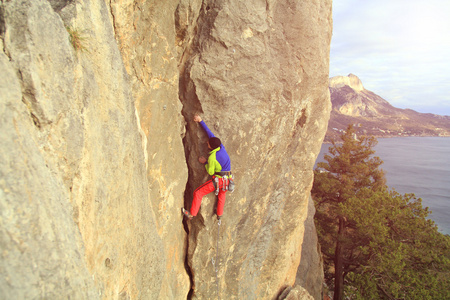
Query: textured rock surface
{"points": [[296, 293], [37, 259], [93, 168], [258, 71], [145, 31], [76, 216], [309, 275]]}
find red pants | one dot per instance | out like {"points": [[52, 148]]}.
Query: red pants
{"points": [[204, 189]]}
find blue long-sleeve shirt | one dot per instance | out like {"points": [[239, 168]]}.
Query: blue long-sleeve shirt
{"points": [[218, 160]]}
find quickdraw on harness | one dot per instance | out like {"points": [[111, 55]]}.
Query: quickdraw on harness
{"points": [[227, 181]]}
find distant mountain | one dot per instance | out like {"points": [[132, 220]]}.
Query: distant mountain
{"points": [[352, 103]]}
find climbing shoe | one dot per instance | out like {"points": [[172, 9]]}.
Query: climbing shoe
{"points": [[187, 214]]}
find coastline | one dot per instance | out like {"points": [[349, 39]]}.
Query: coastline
{"points": [[327, 139]]}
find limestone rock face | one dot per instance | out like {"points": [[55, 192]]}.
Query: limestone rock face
{"points": [[99, 149], [309, 275], [75, 211], [257, 72], [296, 293], [37, 259], [147, 38]]}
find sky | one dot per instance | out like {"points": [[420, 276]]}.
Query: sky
{"points": [[400, 49]]}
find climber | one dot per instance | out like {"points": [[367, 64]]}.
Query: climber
{"points": [[219, 167]]}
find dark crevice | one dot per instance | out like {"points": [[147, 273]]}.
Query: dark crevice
{"points": [[35, 120], [186, 260], [113, 19], [188, 40], [187, 142], [3, 30], [300, 122], [2, 22], [184, 96], [58, 5]]}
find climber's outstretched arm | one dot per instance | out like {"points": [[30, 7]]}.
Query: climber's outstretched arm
{"points": [[198, 119]]}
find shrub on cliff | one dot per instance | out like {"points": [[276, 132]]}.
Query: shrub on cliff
{"points": [[77, 39]]}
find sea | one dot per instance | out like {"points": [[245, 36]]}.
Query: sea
{"points": [[418, 165]]}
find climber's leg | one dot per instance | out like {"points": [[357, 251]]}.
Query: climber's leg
{"points": [[221, 201], [201, 191]]}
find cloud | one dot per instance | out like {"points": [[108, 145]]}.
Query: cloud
{"points": [[399, 49]]}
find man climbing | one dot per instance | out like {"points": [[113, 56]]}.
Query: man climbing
{"points": [[219, 167]]}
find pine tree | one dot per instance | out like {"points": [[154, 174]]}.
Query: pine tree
{"points": [[350, 169], [380, 243]]}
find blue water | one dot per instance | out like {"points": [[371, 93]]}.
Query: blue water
{"points": [[419, 165]]}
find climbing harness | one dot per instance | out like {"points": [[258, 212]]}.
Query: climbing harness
{"points": [[227, 182], [216, 268], [216, 184], [231, 184]]}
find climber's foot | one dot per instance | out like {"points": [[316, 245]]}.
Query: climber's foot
{"points": [[187, 214]]}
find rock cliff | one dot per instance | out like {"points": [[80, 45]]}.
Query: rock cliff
{"points": [[99, 150], [351, 81]]}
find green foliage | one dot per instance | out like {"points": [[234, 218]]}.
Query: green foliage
{"points": [[77, 39], [406, 256], [377, 244]]}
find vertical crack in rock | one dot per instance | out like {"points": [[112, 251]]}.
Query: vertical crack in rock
{"points": [[2, 22], [186, 23], [191, 105], [186, 262], [113, 18]]}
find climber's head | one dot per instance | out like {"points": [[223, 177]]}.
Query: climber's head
{"points": [[214, 143]]}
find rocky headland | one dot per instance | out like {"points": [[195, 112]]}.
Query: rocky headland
{"points": [[353, 104]]}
